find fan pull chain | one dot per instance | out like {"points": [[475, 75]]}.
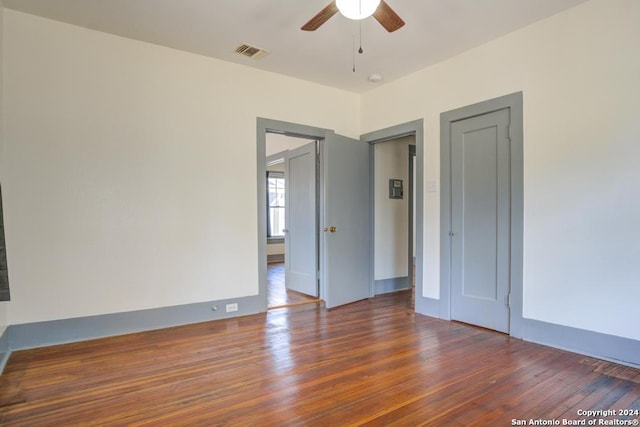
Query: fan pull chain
{"points": [[360, 51], [353, 51]]}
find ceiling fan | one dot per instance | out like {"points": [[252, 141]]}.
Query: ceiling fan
{"points": [[357, 9]]}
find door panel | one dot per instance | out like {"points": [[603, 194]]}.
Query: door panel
{"points": [[480, 222], [345, 206], [300, 218]]}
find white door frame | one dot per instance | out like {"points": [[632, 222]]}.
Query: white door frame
{"points": [[514, 103]]}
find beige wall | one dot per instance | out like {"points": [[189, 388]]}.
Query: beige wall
{"points": [[579, 72], [116, 155], [130, 169]]}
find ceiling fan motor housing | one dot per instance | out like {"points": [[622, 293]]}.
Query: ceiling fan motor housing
{"points": [[357, 9]]}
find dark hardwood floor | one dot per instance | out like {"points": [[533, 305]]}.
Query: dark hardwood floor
{"points": [[373, 362]]}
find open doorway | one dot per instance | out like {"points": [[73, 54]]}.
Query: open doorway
{"points": [[345, 230], [414, 252], [292, 217], [394, 224]]}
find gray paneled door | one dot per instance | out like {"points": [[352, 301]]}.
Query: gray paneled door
{"points": [[301, 242], [480, 220], [345, 207]]}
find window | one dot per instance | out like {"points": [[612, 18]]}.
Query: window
{"points": [[275, 204]]}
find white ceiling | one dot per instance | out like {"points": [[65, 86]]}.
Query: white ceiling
{"points": [[435, 30]]}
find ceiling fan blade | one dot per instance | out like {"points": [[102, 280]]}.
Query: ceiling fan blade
{"points": [[388, 18], [321, 17]]}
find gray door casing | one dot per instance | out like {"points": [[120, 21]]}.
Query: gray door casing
{"points": [[301, 245], [451, 248], [412, 216]]}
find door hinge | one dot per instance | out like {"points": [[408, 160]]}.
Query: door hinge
{"points": [[507, 300]]}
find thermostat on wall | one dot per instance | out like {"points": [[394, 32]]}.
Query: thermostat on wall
{"points": [[395, 189]]}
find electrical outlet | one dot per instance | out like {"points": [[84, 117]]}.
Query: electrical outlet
{"points": [[232, 307]]}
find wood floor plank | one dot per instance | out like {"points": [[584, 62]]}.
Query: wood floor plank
{"points": [[369, 363]]}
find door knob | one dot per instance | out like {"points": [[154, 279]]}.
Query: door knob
{"points": [[333, 229]]}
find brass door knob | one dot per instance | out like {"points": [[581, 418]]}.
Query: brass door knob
{"points": [[333, 229]]}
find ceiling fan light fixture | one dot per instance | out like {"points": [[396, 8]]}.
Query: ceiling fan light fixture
{"points": [[357, 9]]}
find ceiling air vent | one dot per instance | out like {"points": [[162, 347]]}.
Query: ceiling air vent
{"points": [[251, 51]]}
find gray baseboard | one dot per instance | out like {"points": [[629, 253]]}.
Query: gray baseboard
{"points": [[395, 284], [613, 348], [427, 306], [41, 334], [275, 258], [5, 351], [616, 349]]}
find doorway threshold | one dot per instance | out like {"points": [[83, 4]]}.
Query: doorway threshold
{"points": [[297, 303]]}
